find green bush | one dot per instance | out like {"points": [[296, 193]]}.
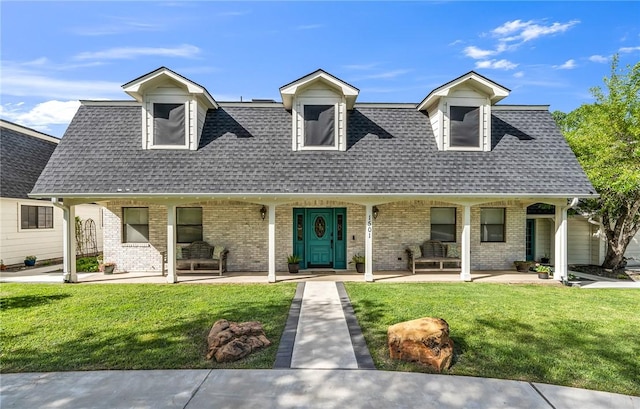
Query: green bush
{"points": [[87, 264]]}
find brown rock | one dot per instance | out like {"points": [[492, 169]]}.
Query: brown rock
{"points": [[425, 340], [230, 341]]}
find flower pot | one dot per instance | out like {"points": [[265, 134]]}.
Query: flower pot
{"points": [[29, 263], [523, 267], [109, 269], [543, 276], [294, 268], [360, 268], [544, 260]]}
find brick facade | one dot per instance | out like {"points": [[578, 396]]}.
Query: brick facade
{"points": [[239, 227]]}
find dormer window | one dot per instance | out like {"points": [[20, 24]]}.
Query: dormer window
{"points": [[460, 112], [169, 128], [465, 127], [319, 103], [174, 109], [319, 126]]}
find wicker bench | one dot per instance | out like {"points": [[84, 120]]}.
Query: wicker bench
{"points": [[431, 252], [201, 254]]}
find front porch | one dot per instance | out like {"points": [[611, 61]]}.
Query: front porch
{"points": [[477, 276]]}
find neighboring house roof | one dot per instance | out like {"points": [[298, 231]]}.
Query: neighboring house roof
{"points": [[24, 152], [246, 149]]}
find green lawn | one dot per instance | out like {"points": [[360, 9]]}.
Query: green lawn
{"points": [[63, 327], [566, 336]]}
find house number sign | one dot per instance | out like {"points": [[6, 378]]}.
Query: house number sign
{"points": [[369, 226]]}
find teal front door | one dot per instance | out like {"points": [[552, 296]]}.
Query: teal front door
{"points": [[319, 237]]}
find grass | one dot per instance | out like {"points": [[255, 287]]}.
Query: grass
{"points": [[65, 327], [565, 336]]}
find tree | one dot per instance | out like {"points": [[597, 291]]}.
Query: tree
{"points": [[605, 137]]}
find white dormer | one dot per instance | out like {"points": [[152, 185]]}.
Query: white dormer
{"points": [[173, 109], [319, 103], [460, 112]]}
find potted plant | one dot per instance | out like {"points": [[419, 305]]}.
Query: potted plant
{"points": [[108, 267], [358, 260], [293, 261], [2, 266], [543, 271], [544, 259], [30, 261], [523, 265]]}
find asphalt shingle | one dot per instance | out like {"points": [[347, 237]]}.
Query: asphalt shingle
{"points": [[248, 150]]}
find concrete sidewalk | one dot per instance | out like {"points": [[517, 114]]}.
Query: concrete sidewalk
{"points": [[289, 388]]}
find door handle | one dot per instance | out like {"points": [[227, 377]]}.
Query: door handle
{"points": [[331, 243]]}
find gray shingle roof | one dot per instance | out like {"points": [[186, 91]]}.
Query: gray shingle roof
{"points": [[22, 158], [248, 150]]}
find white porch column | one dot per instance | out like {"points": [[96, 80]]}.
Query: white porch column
{"points": [[560, 261], [465, 250], [172, 276], [69, 274], [368, 245], [272, 244]]}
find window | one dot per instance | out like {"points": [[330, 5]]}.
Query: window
{"points": [[169, 124], [464, 127], [36, 217], [135, 224], [189, 224], [443, 224], [492, 225], [319, 125]]}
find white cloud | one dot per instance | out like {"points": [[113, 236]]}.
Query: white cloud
{"points": [[496, 64], [119, 25], [519, 74], [127, 53], [41, 116], [477, 53], [598, 58], [21, 82], [309, 26], [387, 74], [361, 67], [519, 30], [629, 49], [568, 65]]}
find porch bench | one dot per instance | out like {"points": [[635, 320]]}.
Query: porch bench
{"points": [[431, 252], [201, 253]]}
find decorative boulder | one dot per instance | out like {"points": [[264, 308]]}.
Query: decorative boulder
{"points": [[425, 340], [230, 341]]}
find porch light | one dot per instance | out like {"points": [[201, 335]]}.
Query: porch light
{"points": [[263, 212], [375, 212]]}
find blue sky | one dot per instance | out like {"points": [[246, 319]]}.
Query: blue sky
{"points": [[56, 53]]}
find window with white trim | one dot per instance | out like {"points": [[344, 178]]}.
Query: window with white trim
{"points": [[319, 125], [464, 127], [169, 124], [188, 224], [135, 224], [492, 225], [36, 217], [443, 224]]}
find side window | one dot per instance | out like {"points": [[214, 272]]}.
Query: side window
{"points": [[189, 224], [319, 125], [492, 225], [443, 224], [135, 224], [36, 217], [169, 124], [464, 127]]}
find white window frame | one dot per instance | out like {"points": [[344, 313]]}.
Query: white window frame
{"points": [[480, 128], [336, 117], [173, 99]]}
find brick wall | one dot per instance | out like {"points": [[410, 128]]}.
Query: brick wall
{"points": [[238, 227]]}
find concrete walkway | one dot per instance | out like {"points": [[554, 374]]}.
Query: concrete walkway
{"points": [[321, 334]]}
